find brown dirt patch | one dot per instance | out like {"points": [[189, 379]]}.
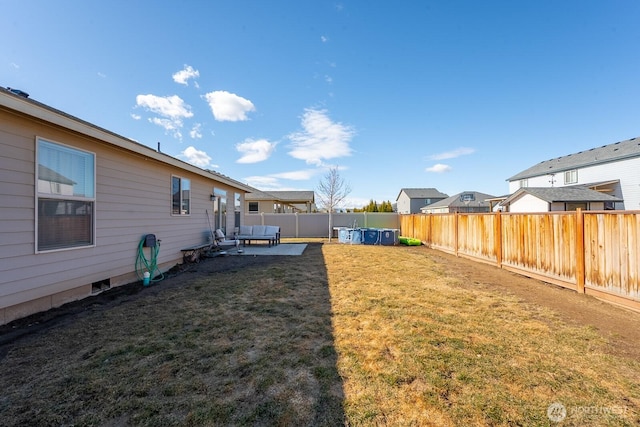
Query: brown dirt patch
{"points": [[620, 326]]}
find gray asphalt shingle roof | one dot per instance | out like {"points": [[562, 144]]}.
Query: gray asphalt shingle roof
{"points": [[607, 153], [422, 193], [285, 196], [455, 201], [564, 194]]}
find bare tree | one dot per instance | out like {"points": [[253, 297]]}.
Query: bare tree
{"points": [[332, 190]]}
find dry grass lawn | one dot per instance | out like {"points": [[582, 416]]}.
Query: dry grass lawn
{"points": [[342, 335]]}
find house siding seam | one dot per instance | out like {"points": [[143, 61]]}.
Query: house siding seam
{"points": [[133, 198]]}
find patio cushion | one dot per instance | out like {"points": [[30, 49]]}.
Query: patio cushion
{"points": [[259, 230], [245, 230], [271, 230]]}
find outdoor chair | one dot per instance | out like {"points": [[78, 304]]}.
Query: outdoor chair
{"points": [[220, 241]]}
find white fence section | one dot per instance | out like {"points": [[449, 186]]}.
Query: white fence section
{"points": [[317, 224]]}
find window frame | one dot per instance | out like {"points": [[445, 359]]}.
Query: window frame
{"points": [[181, 180], [68, 199], [571, 176], [257, 205], [220, 208]]}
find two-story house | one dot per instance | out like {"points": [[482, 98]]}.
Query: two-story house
{"points": [[410, 200], [611, 170]]}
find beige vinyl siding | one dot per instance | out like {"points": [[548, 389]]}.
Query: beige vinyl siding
{"points": [[133, 198], [16, 193]]}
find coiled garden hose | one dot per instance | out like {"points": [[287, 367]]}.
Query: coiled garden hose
{"points": [[151, 265]]}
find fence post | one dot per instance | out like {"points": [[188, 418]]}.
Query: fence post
{"points": [[455, 233], [580, 251], [497, 234]]}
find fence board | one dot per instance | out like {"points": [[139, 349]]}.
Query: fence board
{"points": [[611, 253], [592, 252], [476, 236]]}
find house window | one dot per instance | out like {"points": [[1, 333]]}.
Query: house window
{"points": [[253, 207], [65, 194], [237, 209], [524, 183], [220, 208], [574, 206], [427, 202], [180, 196], [467, 197], [571, 177]]}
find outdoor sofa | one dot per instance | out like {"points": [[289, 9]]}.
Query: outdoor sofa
{"points": [[269, 233]]}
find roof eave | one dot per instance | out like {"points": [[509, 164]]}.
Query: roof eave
{"points": [[50, 115]]}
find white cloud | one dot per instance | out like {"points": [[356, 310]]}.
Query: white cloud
{"points": [[195, 132], [264, 183], [135, 116], [172, 110], [272, 182], [196, 157], [15, 66], [170, 126], [229, 107], [320, 138], [462, 151], [438, 168], [328, 79], [254, 151], [103, 75], [324, 39], [166, 106], [301, 175], [355, 202], [184, 75]]}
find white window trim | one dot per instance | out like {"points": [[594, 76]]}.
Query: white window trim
{"points": [[571, 173], [63, 197], [181, 178]]}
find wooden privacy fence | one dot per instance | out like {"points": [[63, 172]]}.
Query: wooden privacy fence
{"points": [[593, 252]]}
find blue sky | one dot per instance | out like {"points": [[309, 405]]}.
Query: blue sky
{"points": [[456, 95]]}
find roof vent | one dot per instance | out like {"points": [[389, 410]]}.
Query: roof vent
{"points": [[18, 92]]}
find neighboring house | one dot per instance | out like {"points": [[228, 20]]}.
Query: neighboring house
{"points": [[548, 199], [77, 201], [410, 200], [611, 169], [280, 202], [467, 201]]}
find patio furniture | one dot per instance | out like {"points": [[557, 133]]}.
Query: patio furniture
{"points": [[269, 233], [220, 242]]}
